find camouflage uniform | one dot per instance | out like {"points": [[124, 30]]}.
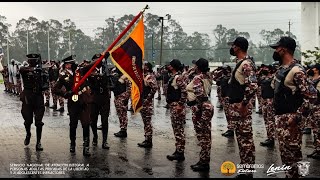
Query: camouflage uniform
{"points": [[5, 75], [159, 78], [290, 135], [121, 103], [202, 112], [267, 108], [243, 80], [150, 88], [177, 95]]}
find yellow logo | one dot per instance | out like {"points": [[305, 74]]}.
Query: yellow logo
{"points": [[228, 168]]}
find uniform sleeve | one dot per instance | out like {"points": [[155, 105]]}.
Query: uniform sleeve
{"points": [[57, 88], [182, 84], [152, 82], [250, 81], [307, 90], [198, 88]]}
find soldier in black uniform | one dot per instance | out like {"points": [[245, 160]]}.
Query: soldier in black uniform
{"points": [[32, 98], [78, 105], [100, 88]]}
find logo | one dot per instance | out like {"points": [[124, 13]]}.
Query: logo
{"points": [[277, 169], [303, 168], [228, 168]]}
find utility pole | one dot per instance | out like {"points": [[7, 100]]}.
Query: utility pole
{"points": [[69, 42], [49, 42], [289, 27], [152, 51], [28, 40], [8, 56], [161, 44]]}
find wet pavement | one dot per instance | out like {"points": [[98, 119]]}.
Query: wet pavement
{"points": [[124, 158]]}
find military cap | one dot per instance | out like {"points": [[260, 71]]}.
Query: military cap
{"points": [[286, 42], [70, 59], [33, 56], [241, 42], [96, 56]]}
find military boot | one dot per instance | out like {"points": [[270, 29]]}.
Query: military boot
{"points": [[28, 136], [86, 147], [315, 155], [54, 107], [38, 145], [95, 135], [268, 143], [122, 133], [179, 156], [200, 167], [307, 131], [146, 144], [228, 133], [73, 146], [104, 138]]}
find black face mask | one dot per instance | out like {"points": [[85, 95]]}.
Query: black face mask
{"points": [[310, 72], [264, 72], [276, 57], [232, 53]]}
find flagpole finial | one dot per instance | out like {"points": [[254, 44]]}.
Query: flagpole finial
{"points": [[147, 7]]}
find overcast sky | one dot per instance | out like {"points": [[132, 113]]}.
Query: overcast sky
{"points": [[192, 16]]}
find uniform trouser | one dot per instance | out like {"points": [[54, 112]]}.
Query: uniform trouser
{"points": [[79, 111], [201, 117], [178, 119], [219, 95], [121, 103], [146, 114], [11, 84], [159, 90], [49, 91], [101, 106], [258, 93], [290, 140], [226, 108], [165, 88], [243, 130], [32, 105], [19, 86], [314, 119], [6, 83], [268, 116]]}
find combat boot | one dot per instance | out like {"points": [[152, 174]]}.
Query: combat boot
{"points": [[200, 167], [228, 133], [146, 144], [122, 133], [268, 143], [105, 145], [179, 156], [28, 136], [73, 146], [61, 109], [86, 147], [38, 145], [46, 104], [307, 131], [104, 138], [315, 155], [54, 107]]}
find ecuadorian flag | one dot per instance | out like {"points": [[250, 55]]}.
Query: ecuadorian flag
{"points": [[128, 57]]}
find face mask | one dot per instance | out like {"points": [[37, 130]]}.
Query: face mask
{"points": [[276, 56], [232, 53], [310, 73], [265, 72]]}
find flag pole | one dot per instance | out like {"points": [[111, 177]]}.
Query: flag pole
{"points": [[109, 48]]}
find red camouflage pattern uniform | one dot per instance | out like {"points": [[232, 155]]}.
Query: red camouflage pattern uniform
{"points": [[121, 103]]}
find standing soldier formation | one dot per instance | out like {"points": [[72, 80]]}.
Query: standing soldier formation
{"points": [[176, 98], [243, 86], [294, 94], [202, 111]]}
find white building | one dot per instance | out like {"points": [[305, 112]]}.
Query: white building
{"points": [[310, 26]]}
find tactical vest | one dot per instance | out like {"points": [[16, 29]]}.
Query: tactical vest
{"points": [[119, 87], [315, 83], [32, 82], [284, 99], [235, 89], [267, 91], [173, 95], [224, 86]]}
